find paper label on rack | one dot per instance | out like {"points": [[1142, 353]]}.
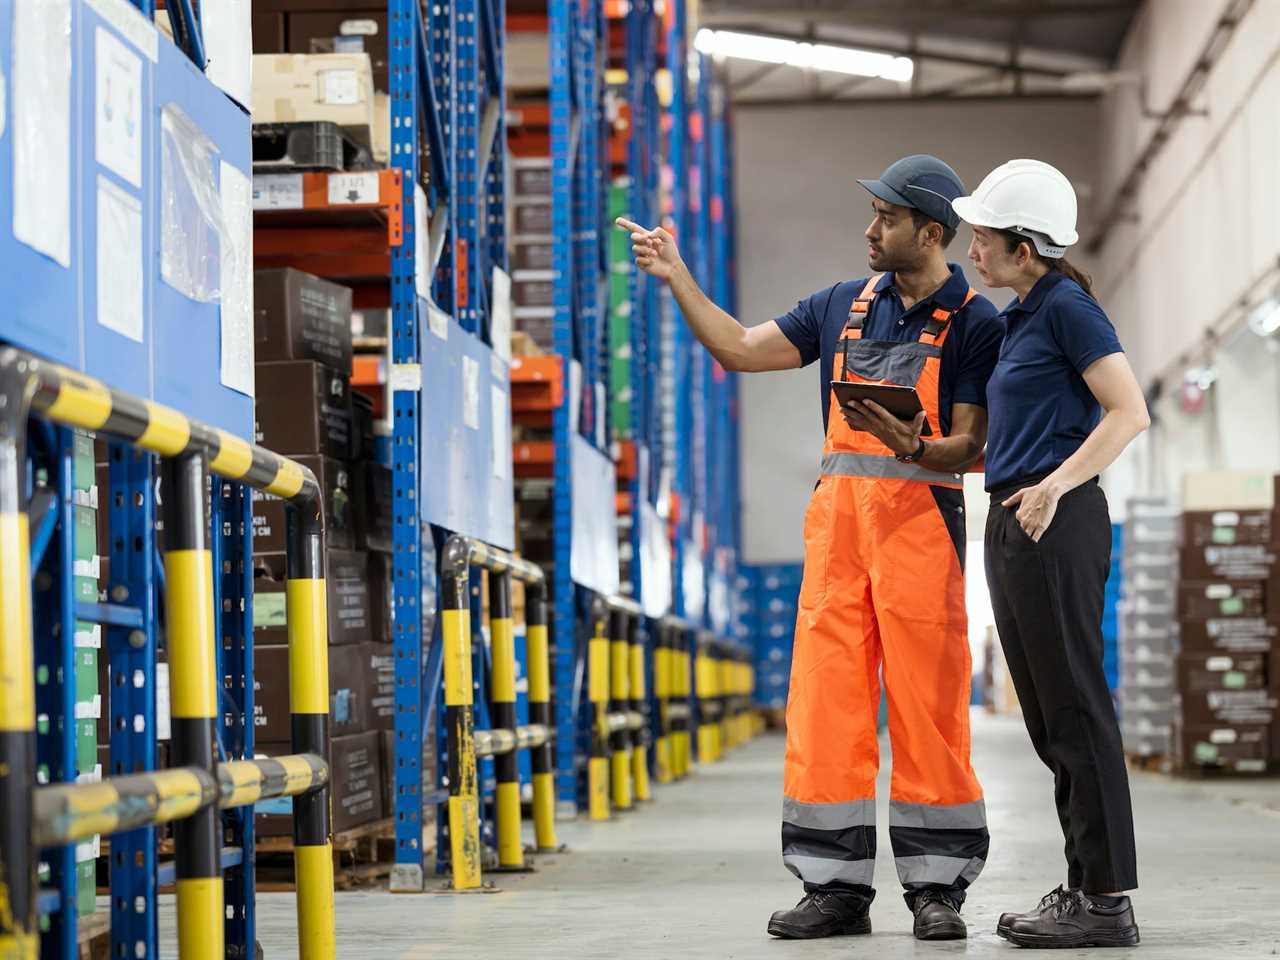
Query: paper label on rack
{"points": [[406, 376], [118, 107], [500, 313], [235, 189], [500, 408], [89, 709], [438, 321], [358, 28], [90, 639], [353, 188], [120, 260], [41, 98], [471, 393], [339, 88], [421, 243], [162, 701], [277, 191], [131, 24]]}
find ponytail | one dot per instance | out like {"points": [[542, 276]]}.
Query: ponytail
{"points": [[1065, 267], [1059, 265]]}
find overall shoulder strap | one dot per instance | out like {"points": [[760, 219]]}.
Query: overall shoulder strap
{"points": [[935, 329], [859, 308]]}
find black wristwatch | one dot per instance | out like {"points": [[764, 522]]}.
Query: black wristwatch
{"points": [[915, 457]]}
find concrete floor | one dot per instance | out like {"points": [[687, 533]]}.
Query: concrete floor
{"points": [[697, 873]]}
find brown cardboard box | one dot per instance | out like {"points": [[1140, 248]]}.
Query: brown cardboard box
{"points": [[1202, 673], [1227, 707], [347, 594], [297, 316], [1211, 599], [532, 176], [314, 31], [381, 596], [1274, 674], [303, 408], [1229, 490], [380, 666], [1201, 528], [532, 255], [362, 432], [1243, 561], [1242, 749], [355, 779], [373, 499], [533, 288], [352, 691], [1228, 635], [532, 219], [335, 481], [338, 87]]}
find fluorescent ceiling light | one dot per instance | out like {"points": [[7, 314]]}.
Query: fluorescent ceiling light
{"points": [[809, 56]]}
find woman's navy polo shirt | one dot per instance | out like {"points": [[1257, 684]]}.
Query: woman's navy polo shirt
{"points": [[1039, 408], [968, 353]]}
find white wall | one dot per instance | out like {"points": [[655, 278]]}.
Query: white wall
{"points": [[801, 216], [1202, 241]]}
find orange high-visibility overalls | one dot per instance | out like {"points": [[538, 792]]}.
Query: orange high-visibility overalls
{"points": [[883, 584]]}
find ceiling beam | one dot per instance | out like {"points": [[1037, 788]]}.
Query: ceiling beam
{"points": [[897, 12], [904, 100], [897, 50], [754, 77]]}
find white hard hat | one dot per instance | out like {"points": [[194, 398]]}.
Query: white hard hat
{"points": [[1028, 197]]}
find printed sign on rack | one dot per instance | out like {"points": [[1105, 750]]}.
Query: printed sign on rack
{"points": [[120, 260], [118, 107], [353, 188], [277, 191], [593, 556], [471, 393]]}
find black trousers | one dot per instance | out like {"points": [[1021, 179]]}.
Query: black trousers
{"points": [[1048, 599]]}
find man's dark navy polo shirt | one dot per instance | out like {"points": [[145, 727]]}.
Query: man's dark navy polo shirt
{"points": [[968, 354], [1040, 408]]}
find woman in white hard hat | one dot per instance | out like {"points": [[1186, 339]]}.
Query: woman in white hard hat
{"points": [[1063, 404]]}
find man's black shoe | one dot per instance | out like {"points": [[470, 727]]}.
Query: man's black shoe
{"points": [[937, 917], [822, 914], [1047, 901], [1073, 920]]}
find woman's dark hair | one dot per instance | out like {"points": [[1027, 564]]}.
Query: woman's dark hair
{"points": [[1058, 265]]}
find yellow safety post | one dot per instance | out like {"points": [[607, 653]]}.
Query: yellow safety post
{"points": [[503, 711], [639, 699], [544, 777], [619, 703], [662, 763], [464, 803], [682, 739], [598, 695]]}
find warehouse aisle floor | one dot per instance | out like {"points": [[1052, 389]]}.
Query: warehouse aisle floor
{"points": [[697, 873]]}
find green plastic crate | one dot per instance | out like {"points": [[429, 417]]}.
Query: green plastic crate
{"points": [[84, 461], [86, 674], [86, 745]]}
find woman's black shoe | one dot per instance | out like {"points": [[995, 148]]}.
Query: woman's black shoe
{"points": [[937, 917], [1047, 901], [822, 914], [1073, 920]]}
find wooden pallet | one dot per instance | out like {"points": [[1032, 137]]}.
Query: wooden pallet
{"points": [[1149, 763], [362, 857]]}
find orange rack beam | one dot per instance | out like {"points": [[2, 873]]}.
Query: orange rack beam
{"points": [[343, 230], [537, 389], [533, 459]]}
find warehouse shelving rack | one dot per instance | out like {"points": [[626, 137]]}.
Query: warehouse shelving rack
{"points": [[129, 623]]}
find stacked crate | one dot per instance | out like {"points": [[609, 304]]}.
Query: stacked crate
{"points": [[768, 598], [621, 269], [1147, 630], [305, 411], [88, 650], [532, 271], [1229, 609]]}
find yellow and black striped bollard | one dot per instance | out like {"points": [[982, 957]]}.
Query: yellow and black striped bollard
{"points": [[542, 760], [464, 804], [503, 712], [619, 704], [639, 706], [598, 696]]}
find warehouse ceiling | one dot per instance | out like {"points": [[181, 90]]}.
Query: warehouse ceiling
{"points": [[960, 48]]}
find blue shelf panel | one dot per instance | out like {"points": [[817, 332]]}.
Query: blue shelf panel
{"points": [[466, 471]]}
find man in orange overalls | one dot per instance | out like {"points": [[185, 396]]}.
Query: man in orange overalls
{"points": [[884, 559]]}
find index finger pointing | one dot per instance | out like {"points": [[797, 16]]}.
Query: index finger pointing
{"points": [[626, 224]]}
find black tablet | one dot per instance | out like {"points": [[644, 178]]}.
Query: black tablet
{"points": [[902, 402]]}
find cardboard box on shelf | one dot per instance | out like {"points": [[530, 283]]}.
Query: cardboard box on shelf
{"points": [[1228, 635], [532, 176], [353, 690], [337, 87], [297, 316], [532, 219], [335, 480], [532, 255], [1228, 490], [1245, 561], [527, 62], [1214, 599], [1226, 528], [1243, 749], [346, 592], [355, 781], [303, 408], [1229, 707], [373, 494], [1201, 673]]}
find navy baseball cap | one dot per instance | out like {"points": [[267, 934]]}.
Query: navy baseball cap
{"points": [[922, 182]]}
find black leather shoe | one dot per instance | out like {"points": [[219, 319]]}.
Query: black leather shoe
{"points": [[938, 917], [1073, 920], [1047, 901], [822, 914]]}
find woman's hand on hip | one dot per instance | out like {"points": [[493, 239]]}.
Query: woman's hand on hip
{"points": [[1036, 507]]}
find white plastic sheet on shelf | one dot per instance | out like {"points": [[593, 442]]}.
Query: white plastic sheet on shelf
{"points": [[42, 127], [236, 191], [192, 228], [119, 260], [655, 563], [593, 559], [500, 314]]}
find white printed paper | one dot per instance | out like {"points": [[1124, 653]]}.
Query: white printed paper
{"points": [[500, 408], [471, 393], [593, 554], [118, 107], [130, 24], [42, 127], [438, 321], [162, 701], [119, 260], [500, 313], [406, 376], [89, 709], [655, 563], [358, 28], [353, 188], [236, 191], [575, 396], [421, 244], [90, 639], [277, 191], [339, 88]]}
